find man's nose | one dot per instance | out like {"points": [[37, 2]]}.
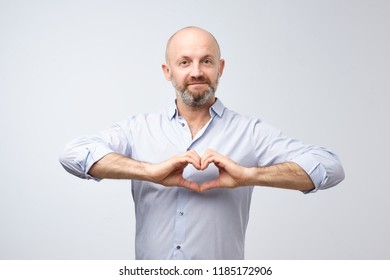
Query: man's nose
{"points": [[196, 70]]}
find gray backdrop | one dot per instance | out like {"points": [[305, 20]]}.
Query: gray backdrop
{"points": [[319, 70]]}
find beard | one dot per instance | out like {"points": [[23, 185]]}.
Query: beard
{"points": [[196, 98]]}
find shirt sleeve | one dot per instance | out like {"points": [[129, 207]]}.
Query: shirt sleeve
{"points": [[321, 164], [81, 153]]}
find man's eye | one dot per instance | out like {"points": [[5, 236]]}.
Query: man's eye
{"points": [[207, 61], [184, 62]]}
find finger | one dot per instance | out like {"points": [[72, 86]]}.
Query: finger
{"points": [[187, 158], [219, 161], [180, 162], [189, 185], [194, 161], [205, 162], [209, 185], [208, 153], [193, 152], [194, 158], [207, 158]]}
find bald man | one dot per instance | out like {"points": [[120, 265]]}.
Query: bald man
{"points": [[193, 168]]}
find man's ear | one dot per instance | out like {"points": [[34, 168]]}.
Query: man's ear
{"points": [[167, 71], [221, 66]]}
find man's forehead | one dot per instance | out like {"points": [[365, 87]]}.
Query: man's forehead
{"points": [[193, 50], [191, 41]]}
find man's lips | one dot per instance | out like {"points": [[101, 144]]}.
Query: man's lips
{"points": [[198, 84]]}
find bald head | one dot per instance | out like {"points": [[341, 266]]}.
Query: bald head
{"points": [[194, 66], [190, 35]]}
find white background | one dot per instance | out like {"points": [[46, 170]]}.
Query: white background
{"points": [[319, 70]]}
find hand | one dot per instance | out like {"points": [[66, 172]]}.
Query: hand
{"points": [[170, 172], [231, 174]]}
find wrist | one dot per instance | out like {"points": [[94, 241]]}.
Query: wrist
{"points": [[251, 175], [145, 171]]}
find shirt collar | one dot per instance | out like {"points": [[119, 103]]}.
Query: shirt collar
{"points": [[217, 108], [172, 110]]}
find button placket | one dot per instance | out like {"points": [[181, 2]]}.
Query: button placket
{"points": [[185, 129], [180, 223]]}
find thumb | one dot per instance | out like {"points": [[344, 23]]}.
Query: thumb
{"points": [[209, 185], [190, 185]]}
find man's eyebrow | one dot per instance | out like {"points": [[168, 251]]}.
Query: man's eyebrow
{"points": [[189, 58], [208, 56], [183, 57]]}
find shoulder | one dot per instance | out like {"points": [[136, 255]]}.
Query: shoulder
{"points": [[249, 123], [144, 120], [240, 118]]}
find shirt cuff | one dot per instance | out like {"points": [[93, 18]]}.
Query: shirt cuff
{"points": [[95, 154], [314, 169]]}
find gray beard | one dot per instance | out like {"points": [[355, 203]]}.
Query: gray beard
{"points": [[196, 101]]}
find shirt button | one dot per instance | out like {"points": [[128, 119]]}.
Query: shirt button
{"points": [[181, 213], [178, 247], [183, 124]]}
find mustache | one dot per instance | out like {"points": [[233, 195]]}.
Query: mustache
{"points": [[200, 79]]}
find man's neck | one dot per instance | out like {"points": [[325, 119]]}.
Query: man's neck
{"points": [[196, 117]]}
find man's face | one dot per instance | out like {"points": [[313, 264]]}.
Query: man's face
{"points": [[194, 66]]}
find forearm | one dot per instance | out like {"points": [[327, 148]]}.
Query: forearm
{"points": [[288, 175], [117, 166], [167, 173]]}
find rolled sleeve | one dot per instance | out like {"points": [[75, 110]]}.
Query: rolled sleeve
{"points": [[314, 169], [78, 157], [323, 167], [273, 147], [94, 154], [80, 154]]}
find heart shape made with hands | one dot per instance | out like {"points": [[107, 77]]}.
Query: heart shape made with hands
{"points": [[200, 176], [212, 170]]}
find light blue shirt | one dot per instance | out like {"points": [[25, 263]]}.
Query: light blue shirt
{"points": [[176, 223]]}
